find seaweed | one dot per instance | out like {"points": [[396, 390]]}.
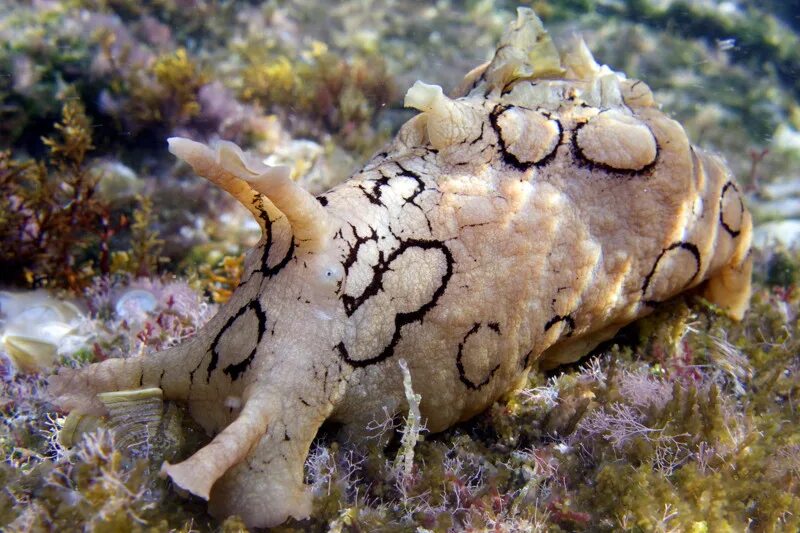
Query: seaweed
{"points": [[107, 492], [50, 213], [144, 256], [38, 60], [149, 99], [221, 280], [756, 33], [55, 230], [338, 95]]}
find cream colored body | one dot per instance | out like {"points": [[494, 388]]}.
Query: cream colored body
{"points": [[522, 223]]}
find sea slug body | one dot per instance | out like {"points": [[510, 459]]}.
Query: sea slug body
{"points": [[519, 222]]}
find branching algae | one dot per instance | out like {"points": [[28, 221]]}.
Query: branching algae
{"points": [[525, 220]]}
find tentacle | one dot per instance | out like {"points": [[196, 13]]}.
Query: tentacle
{"points": [[258, 187], [227, 168], [198, 473], [267, 487], [448, 121], [310, 221]]}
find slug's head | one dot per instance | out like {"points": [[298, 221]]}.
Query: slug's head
{"points": [[295, 263], [269, 373]]}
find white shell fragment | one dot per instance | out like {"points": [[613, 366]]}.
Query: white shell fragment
{"points": [[34, 326], [134, 415], [141, 422], [135, 304]]}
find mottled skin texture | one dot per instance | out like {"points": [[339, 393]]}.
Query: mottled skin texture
{"points": [[520, 224]]}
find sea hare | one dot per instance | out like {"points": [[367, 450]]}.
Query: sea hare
{"points": [[521, 221]]}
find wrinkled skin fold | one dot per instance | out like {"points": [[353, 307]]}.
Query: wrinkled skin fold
{"points": [[519, 222]]}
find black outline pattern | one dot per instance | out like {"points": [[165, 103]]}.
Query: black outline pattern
{"points": [[685, 245], [270, 271], [527, 359], [353, 249], [258, 203], [351, 303], [462, 375], [406, 173], [509, 158], [583, 160], [733, 233], [235, 370], [567, 319]]}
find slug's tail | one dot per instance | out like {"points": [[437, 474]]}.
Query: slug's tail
{"points": [[730, 288], [728, 283]]}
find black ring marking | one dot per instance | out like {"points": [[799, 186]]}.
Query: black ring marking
{"points": [[527, 359], [552, 155], [235, 370], [352, 254], [688, 246], [582, 160], [462, 375], [567, 319], [351, 304], [509, 158], [258, 203], [270, 271], [730, 185]]}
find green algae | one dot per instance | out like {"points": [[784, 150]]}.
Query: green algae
{"points": [[335, 93]]}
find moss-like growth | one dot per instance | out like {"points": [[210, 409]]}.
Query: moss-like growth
{"points": [[336, 94], [143, 258], [782, 269], [37, 61], [55, 230], [155, 97], [51, 215], [221, 280], [761, 39]]}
